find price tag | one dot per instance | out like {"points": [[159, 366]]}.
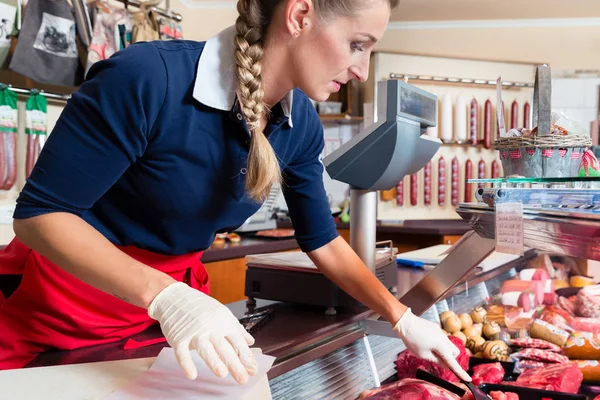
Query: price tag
{"points": [[509, 228]]}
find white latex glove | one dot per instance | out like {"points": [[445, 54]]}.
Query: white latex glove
{"points": [[426, 340], [191, 320]]}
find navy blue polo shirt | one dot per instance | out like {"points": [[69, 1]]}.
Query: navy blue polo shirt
{"points": [[138, 157]]}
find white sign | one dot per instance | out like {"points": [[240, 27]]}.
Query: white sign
{"points": [[509, 228]]}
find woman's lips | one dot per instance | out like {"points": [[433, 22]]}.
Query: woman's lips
{"points": [[337, 85]]}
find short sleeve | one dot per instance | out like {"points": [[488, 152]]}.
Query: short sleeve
{"points": [[102, 131], [305, 194]]}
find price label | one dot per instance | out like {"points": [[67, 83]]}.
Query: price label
{"points": [[509, 228]]}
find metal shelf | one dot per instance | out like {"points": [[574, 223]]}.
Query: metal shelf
{"points": [[464, 81]]}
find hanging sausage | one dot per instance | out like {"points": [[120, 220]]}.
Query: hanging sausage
{"points": [[474, 122], [468, 186], [514, 115], [427, 184], [442, 182], [400, 193], [495, 170], [481, 172], [414, 189], [454, 182], [526, 116], [35, 128], [487, 125], [8, 137], [446, 133], [460, 119]]}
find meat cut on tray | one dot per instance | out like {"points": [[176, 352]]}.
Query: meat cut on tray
{"points": [[541, 355], [487, 373], [556, 377], [407, 363], [540, 344], [409, 389], [497, 395]]}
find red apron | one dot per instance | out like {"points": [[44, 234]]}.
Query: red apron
{"points": [[52, 309]]}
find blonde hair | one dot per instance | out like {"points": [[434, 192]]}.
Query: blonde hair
{"points": [[251, 25]]}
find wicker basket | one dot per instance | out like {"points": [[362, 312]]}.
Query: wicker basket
{"points": [[545, 155]]}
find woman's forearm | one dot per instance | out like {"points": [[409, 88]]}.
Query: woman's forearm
{"points": [[79, 249], [338, 262]]}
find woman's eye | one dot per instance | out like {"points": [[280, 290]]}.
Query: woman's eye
{"points": [[357, 47]]}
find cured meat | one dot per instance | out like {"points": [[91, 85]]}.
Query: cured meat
{"points": [[583, 346], [427, 184], [541, 355], [495, 170], [32, 153], [276, 233], [550, 298], [442, 182], [400, 193], [526, 116], [516, 285], [558, 377], [540, 344], [555, 315], [514, 115], [10, 151], [542, 330], [414, 189], [407, 363], [468, 186], [567, 305], [498, 395], [454, 181], [487, 373], [474, 125], [587, 302], [487, 124], [585, 324], [409, 389], [503, 315], [481, 172]]}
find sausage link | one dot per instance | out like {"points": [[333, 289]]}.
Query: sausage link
{"points": [[495, 170], [400, 193], [468, 186], [442, 182], [427, 184], [10, 142], [32, 146], [474, 122], [454, 188], [481, 172], [514, 115], [487, 125], [414, 190], [526, 116]]}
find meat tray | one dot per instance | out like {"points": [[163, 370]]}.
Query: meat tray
{"points": [[509, 367], [531, 394]]}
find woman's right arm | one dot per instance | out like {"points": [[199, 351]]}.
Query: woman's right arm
{"points": [[82, 251]]}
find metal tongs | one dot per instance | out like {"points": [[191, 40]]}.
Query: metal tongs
{"points": [[478, 394], [254, 321]]}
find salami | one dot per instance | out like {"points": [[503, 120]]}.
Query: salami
{"points": [[487, 125], [541, 355], [566, 305], [495, 170], [427, 184], [514, 115], [32, 153], [525, 363], [414, 189], [10, 151], [540, 344], [442, 182], [481, 172], [474, 123], [400, 193], [468, 186], [526, 116], [454, 182], [587, 302]]}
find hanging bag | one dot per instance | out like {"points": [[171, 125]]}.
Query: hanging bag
{"points": [[144, 26], [47, 51]]}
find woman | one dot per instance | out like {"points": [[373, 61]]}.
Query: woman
{"points": [[167, 143]]}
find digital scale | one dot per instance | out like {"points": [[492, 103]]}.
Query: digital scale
{"points": [[377, 158]]}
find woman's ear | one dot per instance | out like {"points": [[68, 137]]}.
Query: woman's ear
{"points": [[299, 16]]}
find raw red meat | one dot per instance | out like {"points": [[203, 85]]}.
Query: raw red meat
{"points": [[497, 395], [541, 355], [487, 373], [558, 377], [409, 389], [407, 363], [527, 343]]}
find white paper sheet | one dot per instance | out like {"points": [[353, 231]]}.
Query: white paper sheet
{"points": [[165, 380]]}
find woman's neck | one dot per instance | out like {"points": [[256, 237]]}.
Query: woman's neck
{"points": [[276, 72]]}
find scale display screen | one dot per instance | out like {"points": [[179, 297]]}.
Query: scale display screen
{"points": [[417, 105]]}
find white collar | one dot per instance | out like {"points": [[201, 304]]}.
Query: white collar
{"points": [[215, 77]]}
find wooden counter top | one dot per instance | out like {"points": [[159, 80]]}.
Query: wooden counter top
{"points": [[248, 245]]}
